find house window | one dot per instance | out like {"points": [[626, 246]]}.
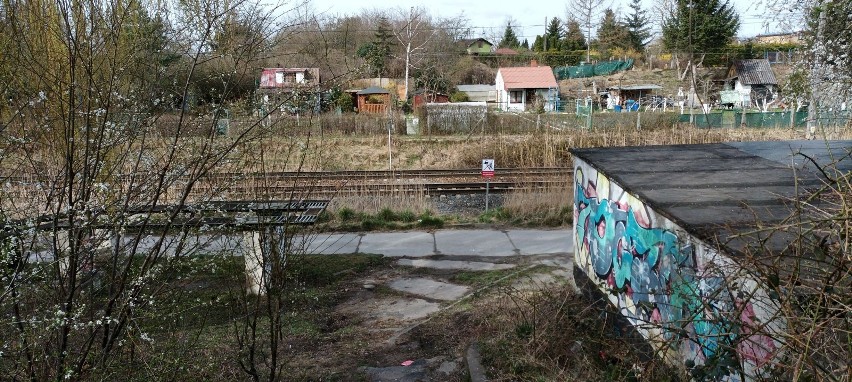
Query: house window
{"points": [[516, 96], [480, 44]]}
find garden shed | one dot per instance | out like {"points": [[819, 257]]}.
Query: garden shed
{"points": [[521, 88], [373, 99], [749, 83]]}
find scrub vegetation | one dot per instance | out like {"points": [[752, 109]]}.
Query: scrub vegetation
{"points": [[114, 116]]}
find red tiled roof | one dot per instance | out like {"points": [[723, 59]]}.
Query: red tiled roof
{"points": [[525, 77], [506, 51]]}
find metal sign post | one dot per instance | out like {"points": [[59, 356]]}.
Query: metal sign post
{"points": [[487, 173]]}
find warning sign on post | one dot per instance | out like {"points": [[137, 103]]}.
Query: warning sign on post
{"points": [[488, 168]]}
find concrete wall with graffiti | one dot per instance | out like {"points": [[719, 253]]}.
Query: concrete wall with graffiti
{"points": [[694, 304]]}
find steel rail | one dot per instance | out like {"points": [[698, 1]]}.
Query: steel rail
{"points": [[344, 174], [376, 189]]}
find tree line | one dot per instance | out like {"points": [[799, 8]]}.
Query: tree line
{"points": [[407, 43]]}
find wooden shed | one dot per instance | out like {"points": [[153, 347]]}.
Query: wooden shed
{"points": [[422, 97], [373, 99]]}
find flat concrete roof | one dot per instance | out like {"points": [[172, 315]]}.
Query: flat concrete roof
{"points": [[724, 190]]}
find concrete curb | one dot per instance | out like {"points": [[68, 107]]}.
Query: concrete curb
{"points": [[474, 365]]}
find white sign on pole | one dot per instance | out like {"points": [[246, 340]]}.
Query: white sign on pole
{"points": [[488, 168]]}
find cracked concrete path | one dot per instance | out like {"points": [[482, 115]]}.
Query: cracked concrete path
{"points": [[418, 297], [451, 242]]}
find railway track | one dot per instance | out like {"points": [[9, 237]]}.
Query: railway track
{"points": [[399, 174], [337, 183], [347, 174], [374, 189]]}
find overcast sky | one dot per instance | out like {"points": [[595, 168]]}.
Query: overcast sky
{"points": [[488, 17]]}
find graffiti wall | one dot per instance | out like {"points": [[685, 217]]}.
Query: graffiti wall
{"points": [[692, 303]]}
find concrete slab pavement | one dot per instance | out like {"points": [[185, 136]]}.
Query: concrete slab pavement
{"points": [[541, 242], [479, 242], [429, 288], [451, 242], [398, 244], [454, 265], [345, 243]]}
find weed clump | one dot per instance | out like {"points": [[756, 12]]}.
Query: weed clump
{"points": [[427, 220], [407, 216], [346, 214]]}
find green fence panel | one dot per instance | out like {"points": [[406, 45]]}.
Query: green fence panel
{"points": [[600, 69], [753, 119], [771, 119], [608, 67], [729, 118], [775, 119], [801, 118], [582, 71], [713, 120]]}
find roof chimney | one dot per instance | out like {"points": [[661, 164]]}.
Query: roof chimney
{"points": [[533, 63]]}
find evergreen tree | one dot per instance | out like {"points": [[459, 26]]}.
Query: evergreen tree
{"points": [[574, 38], [612, 34], [554, 34], [510, 39], [538, 44], [525, 44], [700, 26], [384, 34], [377, 51], [637, 24]]}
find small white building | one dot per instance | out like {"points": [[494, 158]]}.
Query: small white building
{"points": [[749, 83], [526, 88]]}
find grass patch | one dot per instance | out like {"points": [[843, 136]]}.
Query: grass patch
{"points": [[348, 220], [495, 215], [318, 270], [407, 216], [387, 215], [427, 220], [345, 214], [195, 316]]}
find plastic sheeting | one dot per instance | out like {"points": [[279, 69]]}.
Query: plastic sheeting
{"points": [[590, 70]]}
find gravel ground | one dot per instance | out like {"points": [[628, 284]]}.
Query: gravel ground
{"points": [[465, 204]]}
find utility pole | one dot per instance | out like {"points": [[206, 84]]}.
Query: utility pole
{"points": [[390, 144]]}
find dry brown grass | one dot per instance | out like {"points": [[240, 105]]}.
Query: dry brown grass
{"points": [[546, 148], [535, 331], [551, 206], [373, 204], [361, 143]]}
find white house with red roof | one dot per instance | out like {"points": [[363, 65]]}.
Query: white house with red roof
{"points": [[524, 88]]}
